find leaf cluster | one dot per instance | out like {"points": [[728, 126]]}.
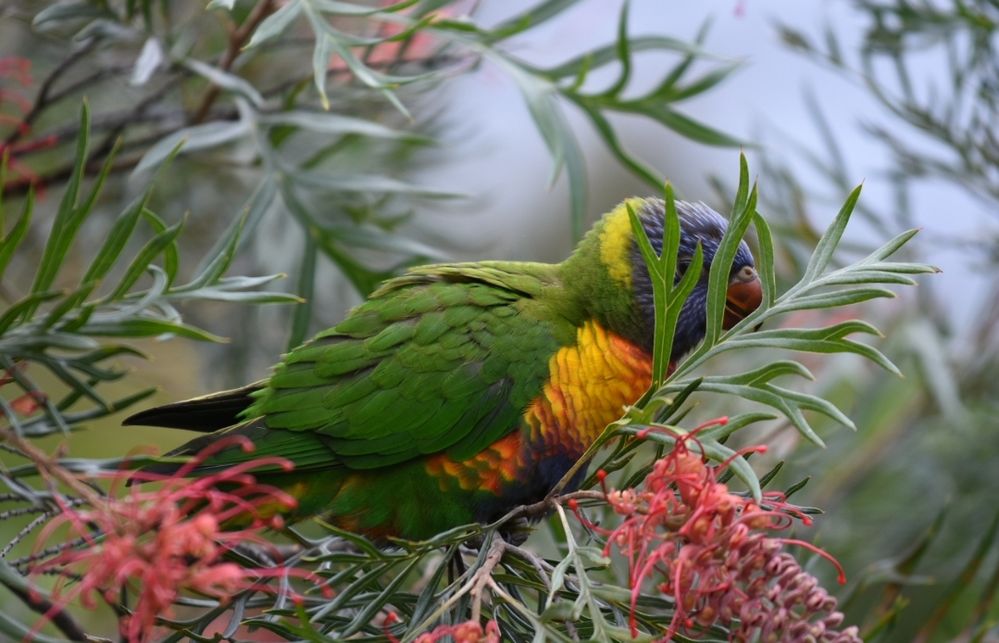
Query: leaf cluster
{"points": [[60, 324]]}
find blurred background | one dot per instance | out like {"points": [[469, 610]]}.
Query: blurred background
{"points": [[510, 147]]}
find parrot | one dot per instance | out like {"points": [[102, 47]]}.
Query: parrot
{"points": [[459, 391]]}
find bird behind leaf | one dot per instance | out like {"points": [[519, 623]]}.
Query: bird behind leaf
{"points": [[457, 392]]}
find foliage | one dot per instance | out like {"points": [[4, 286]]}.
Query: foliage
{"points": [[222, 92], [927, 439], [445, 580], [258, 119], [58, 328]]}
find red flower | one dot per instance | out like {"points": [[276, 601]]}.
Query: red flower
{"points": [[467, 632], [714, 551], [18, 70], [165, 541]]}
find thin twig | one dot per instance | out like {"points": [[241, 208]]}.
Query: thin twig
{"points": [[237, 39], [42, 99], [485, 574], [55, 614]]}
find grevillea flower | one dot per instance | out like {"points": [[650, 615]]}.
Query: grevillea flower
{"points": [[717, 555], [15, 77], [160, 542], [467, 632]]}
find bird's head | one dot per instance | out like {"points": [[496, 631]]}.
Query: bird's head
{"points": [[614, 282]]}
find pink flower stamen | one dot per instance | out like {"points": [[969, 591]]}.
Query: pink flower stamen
{"points": [[714, 551], [170, 540]]}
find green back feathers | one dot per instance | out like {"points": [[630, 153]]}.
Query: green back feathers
{"points": [[442, 359]]}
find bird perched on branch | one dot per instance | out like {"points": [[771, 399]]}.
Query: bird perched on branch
{"points": [[459, 391]]}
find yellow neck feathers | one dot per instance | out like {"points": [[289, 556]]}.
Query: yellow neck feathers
{"points": [[588, 387]]}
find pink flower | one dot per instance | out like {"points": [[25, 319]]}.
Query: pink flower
{"points": [[714, 551], [161, 542], [18, 70], [467, 632]]}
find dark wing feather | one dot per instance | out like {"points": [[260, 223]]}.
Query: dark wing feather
{"points": [[206, 414]]}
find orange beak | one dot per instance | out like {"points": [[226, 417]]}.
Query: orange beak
{"points": [[745, 294]]}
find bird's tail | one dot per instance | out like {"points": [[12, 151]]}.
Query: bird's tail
{"points": [[205, 414]]}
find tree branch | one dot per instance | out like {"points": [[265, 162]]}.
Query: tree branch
{"points": [[237, 39]]}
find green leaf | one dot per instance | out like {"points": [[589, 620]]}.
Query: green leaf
{"points": [[623, 54], [365, 183], [13, 238], [321, 63], [142, 327], [829, 299], [51, 16], [540, 97], [218, 259], [275, 23], [681, 124], [609, 53], [672, 94], [765, 260], [225, 80], [721, 267], [306, 289], [348, 9], [338, 124], [144, 258], [830, 240], [190, 139], [29, 302], [530, 19], [610, 138], [171, 257], [116, 240], [68, 217]]}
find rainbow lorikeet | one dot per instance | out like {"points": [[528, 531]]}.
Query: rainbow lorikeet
{"points": [[459, 391]]}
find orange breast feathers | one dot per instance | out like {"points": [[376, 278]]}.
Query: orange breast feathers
{"points": [[588, 387]]}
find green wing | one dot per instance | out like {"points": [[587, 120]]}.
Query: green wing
{"points": [[443, 359]]}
